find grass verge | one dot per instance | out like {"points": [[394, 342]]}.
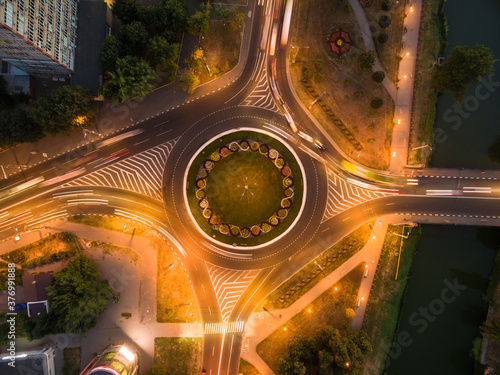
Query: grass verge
{"points": [[247, 369], [178, 356], [388, 52], [433, 36], [329, 308], [72, 358], [54, 247], [351, 244], [387, 296], [349, 88], [176, 302], [109, 223]]}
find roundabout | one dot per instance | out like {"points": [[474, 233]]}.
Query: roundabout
{"points": [[244, 188]]}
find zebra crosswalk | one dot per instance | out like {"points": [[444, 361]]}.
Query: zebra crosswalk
{"points": [[224, 327], [261, 95], [141, 173], [343, 195], [229, 285]]}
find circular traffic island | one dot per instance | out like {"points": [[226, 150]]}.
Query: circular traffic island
{"points": [[244, 188]]}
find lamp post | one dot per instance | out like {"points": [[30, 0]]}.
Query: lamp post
{"points": [[314, 101], [423, 146], [298, 48], [321, 268]]}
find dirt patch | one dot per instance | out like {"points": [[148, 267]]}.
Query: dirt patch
{"points": [[349, 88]]}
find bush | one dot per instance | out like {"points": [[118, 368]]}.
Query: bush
{"points": [[377, 103], [382, 38], [384, 21], [387, 5], [378, 76], [307, 73], [367, 59]]}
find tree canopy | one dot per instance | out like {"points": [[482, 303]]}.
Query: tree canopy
{"points": [[464, 66], [77, 297], [199, 23], [332, 351], [133, 77], [65, 109], [110, 52], [127, 11], [134, 38], [367, 59]]}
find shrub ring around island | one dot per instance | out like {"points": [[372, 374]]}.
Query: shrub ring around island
{"points": [[236, 146]]}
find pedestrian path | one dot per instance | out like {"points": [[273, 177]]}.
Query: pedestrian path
{"points": [[262, 324], [366, 32], [141, 173]]}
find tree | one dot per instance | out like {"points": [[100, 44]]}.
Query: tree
{"points": [[464, 66], [383, 37], [189, 81], [110, 52], [17, 127], [350, 314], [326, 360], [237, 18], [133, 38], [378, 76], [77, 297], [384, 21], [133, 77], [127, 11], [162, 52], [297, 357], [491, 330], [199, 23], [387, 5], [377, 102], [222, 14], [67, 108], [170, 19], [367, 59]]}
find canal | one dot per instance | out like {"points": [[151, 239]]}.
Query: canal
{"points": [[469, 130], [444, 304]]}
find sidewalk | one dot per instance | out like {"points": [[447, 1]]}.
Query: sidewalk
{"points": [[142, 329], [370, 46], [115, 118], [404, 99], [257, 329]]}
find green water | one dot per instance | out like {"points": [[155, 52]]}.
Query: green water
{"points": [[464, 134], [444, 305]]}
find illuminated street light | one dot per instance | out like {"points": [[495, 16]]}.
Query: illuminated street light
{"points": [[284, 329], [309, 310]]}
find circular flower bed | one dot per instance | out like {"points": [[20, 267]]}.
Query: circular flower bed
{"points": [[225, 151]]}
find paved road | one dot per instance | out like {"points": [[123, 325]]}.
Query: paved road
{"points": [[141, 178]]}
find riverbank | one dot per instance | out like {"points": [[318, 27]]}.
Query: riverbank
{"points": [[432, 44], [387, 295]]}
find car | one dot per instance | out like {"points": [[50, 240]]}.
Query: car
{"points": [[319, 145], [203, 372]]}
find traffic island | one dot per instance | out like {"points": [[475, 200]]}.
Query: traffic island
{"points": [[244, 188]]}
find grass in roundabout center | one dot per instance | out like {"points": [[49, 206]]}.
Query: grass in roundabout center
{"points": [[245, 188], [224, 185]]}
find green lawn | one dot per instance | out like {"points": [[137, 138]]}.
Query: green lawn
{"points": [[329, 308], [205, 154], [71, 358], [247, 369], [245, 188], [178, 356], [330, 260]]}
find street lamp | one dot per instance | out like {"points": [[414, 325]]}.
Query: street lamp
{"points": [[321, 268], [298, 48], [423, 146], [314, 102]]}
